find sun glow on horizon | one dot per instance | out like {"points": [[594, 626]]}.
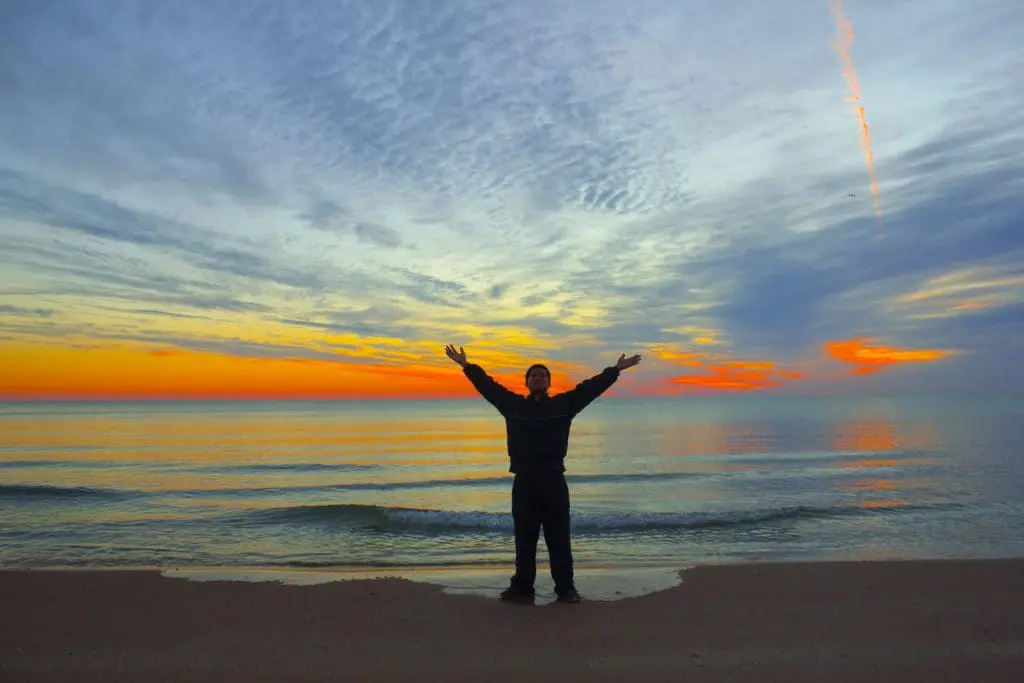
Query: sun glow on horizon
{"points": [[36, 372], [41, 372]]}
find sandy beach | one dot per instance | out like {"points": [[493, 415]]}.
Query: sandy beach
{"points": [[873, 621]]}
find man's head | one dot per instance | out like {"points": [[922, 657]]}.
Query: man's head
{"points": [[538, 379]]}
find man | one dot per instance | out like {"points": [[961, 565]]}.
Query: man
{"points": [[537, 429]]}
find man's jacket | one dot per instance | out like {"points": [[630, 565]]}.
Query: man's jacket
{"points": [[538, 427]]}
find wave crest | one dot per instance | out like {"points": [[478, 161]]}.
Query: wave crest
{"points": [[399, 518], [44, 491]]}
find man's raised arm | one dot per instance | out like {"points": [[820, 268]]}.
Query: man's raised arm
{"points": [[495, 394], [584, 393]]}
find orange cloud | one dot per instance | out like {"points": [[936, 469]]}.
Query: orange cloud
{"points": [[721, 372], [735, 376], [962, 291], [696, 359], [868, 357], [971, 305]]}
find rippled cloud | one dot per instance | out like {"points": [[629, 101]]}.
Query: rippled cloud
{"points": [[362, 182]]}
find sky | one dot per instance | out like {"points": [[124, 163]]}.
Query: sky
{"points": [[208, 199]]}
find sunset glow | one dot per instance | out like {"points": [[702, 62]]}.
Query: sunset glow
{"points": [[286, 203], [126, 373]]}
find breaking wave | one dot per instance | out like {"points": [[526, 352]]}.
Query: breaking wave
{"points": [[400, 518], [44, 492]]}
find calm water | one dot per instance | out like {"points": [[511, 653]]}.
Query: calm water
{"points": [[655, 482]]}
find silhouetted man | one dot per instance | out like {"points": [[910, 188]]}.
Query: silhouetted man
{"points": [[537, 428]]}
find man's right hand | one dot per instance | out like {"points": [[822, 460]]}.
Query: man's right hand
{"points": [[457, 356]]}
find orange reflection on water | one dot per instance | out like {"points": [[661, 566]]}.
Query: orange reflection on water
{"points": [[881, 503], [170, 451], [745, 468], [689, 439], [869, 485], [872, 487], [866, 435], [871, 462], [877, 437]]}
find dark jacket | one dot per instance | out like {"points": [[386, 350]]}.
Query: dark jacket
{"points": [[538, 427]]}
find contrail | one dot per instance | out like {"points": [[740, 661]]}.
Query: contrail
{"points": [[843, 49]]}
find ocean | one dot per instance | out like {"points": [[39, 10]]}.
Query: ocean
{"points": [[307, 491]]}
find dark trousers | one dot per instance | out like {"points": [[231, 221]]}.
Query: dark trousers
{"points": [[541, 499]]}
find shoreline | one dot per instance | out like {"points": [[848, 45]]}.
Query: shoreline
{"points": [[605, 582], [599, 582], [854, 620]]}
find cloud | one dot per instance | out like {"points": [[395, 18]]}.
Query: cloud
{"points": [[867, 356], [726, 370], [378, 234], [735, 376], [20, 311], [429, 289], [33, 202], [568, 179], [778, 291], [964, 291], [721, 371], [357, 325], [69, 272]]}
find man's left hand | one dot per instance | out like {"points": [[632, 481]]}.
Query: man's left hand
{"points": [[624, 362]]}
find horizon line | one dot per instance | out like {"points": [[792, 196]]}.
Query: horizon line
{"points": [[410, 399]]}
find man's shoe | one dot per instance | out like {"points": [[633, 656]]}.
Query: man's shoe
{"points": [[570, 596], [517, 596]]}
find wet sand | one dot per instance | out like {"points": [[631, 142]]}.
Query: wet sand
{"points": [[873, 621]]}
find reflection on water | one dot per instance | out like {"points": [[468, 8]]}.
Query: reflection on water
{"points": [[869, 485], [747, 477], [878, 435], [880, 503], [180, 452], [877, 493]]}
